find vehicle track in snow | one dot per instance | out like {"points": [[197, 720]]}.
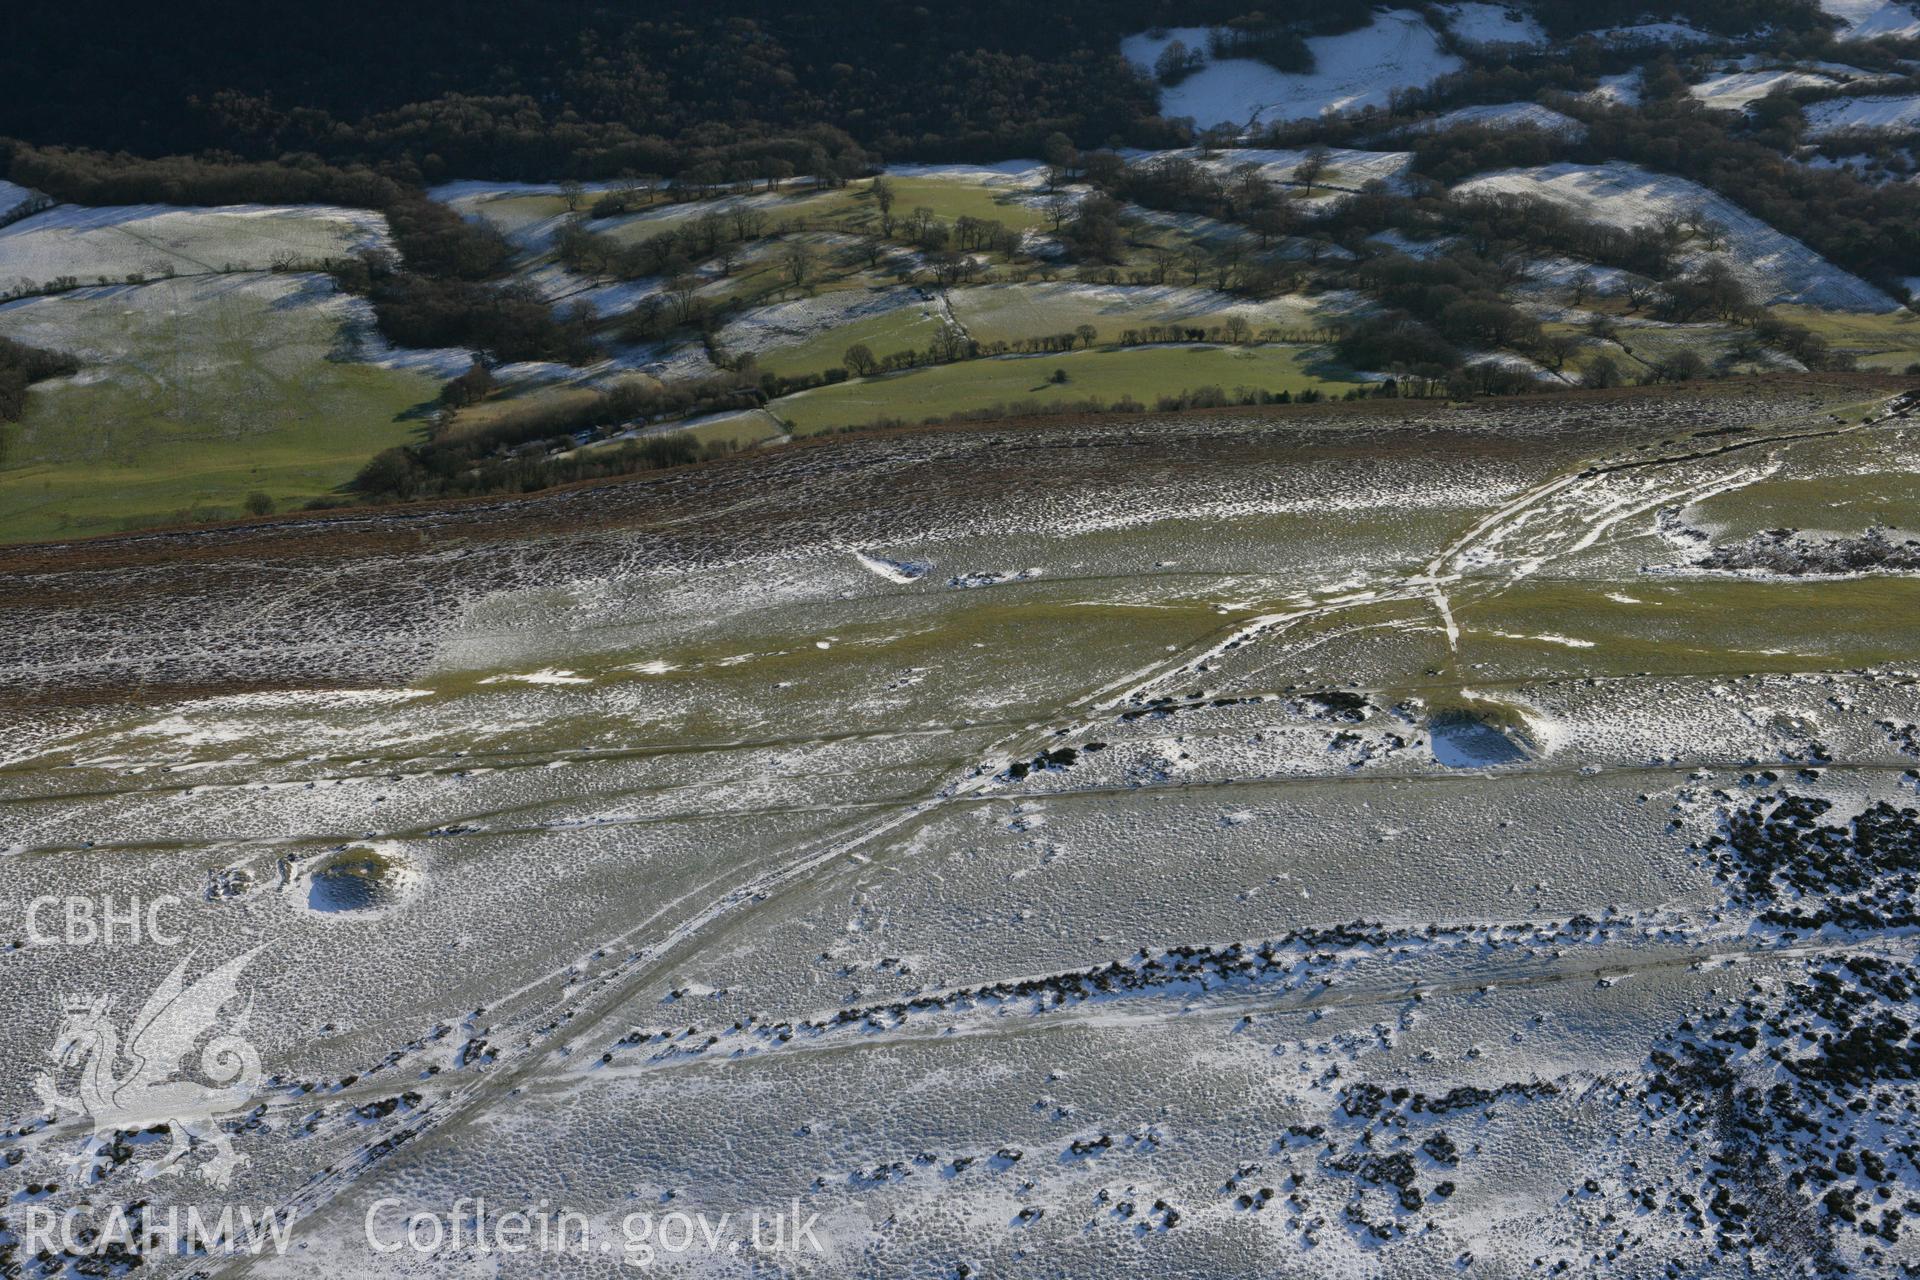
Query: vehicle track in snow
{"points": [[583, 1015]]}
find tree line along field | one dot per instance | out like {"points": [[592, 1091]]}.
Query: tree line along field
{"points": [[275, 420], [208, 391], [800, 332], [1443, 244], [1018, 384]]}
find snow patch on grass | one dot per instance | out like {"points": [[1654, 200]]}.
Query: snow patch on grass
{"points": [[549, 675], [1557, 275], [1545, 637], [529, 214], [100, 325], [996, 310], [1514, 362], [899, 571], [469, 192]]}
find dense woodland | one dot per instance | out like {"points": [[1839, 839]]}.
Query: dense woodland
{"points": [[588, 88]]}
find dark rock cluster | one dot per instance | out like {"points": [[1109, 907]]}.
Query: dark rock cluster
{"points": [[1778, 855], [1787, 551]]}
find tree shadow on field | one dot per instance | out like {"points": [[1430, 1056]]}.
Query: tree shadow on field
{"points": [[421, 413]]}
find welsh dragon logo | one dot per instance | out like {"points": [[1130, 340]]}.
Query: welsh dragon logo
{"points": [[139, 1079]]}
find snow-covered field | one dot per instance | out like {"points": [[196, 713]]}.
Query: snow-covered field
{"points": [[787, 324], [1556, 275], [1506, 115], [994, 311], [94, 245], [14, 197], [1352, 71], [176, 336], [528, 214], [1871, 19], [196, 390], [1492, 26], [179, 337], [1733, 91], [1622, 90], [1514, 362], [1867, 115], [564, 288], [1646, 35], [1745, 80], [1777, 267], [467, 194], [1346, 170], [531, 215], [1006, 173]]}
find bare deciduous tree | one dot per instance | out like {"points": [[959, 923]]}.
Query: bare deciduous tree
{"points": [[1312, 167], [797, 262], [883, 198]]}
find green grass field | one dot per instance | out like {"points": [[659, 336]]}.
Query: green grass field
{"points": [[1635, 349], [1009, 312], [841, 216], [515, 215], [1692, 625], [1886, 341], [742, 430], [1141, 372], [803, 203], [852, 208], [950, 199], [192, 396], [906, 328]]}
